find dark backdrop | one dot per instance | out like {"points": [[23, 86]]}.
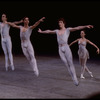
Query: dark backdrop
{"points": [[75, 12]]}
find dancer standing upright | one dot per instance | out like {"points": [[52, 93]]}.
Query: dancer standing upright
{"points": [[83, 52], [6, 41]]}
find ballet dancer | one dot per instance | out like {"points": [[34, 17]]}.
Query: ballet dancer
{"points": [[25, 32], [64, 50], [6, 41], [83, 53]]}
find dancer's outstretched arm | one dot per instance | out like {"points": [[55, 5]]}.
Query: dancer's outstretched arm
{"points": [[80, 27], [88, 41], [13, 25], [73, 42], [37, 23], [18, 22], [46, 31]]}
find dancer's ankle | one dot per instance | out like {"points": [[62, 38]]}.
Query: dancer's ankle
{"points": [[82, 76]]}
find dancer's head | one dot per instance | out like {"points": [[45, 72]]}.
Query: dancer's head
{"points": [[26, 20], [61, 22], [4, 17], [82, 34]]}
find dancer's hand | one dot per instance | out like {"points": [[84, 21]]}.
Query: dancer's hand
{"points": [[98, 51], [39, 30], [21, 21], [42, 19], [6, 22], [89, 26]]}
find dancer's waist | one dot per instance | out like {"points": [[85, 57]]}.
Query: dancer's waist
{"points": [[24, 41], [63, 44], [5, 36]]}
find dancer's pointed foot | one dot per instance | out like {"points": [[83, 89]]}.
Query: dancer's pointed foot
{"points": [[91, 74], [76, 83], [36, 73], [12, 67], [82, 76]]}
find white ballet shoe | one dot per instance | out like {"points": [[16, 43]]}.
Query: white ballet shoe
{"points": [[82, 76], [91, 74]]}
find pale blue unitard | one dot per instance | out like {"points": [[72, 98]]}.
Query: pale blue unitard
{"points": [[66, 54], [28, 48], [6, 45]]}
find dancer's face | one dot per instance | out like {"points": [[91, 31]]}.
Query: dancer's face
{"points": [[61, 24], [82, 34], [4, 17], [26, 20]]}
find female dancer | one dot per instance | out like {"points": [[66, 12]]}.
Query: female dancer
{"points": [[64, 50], [83, 52], [25, 32], [6, 41]]}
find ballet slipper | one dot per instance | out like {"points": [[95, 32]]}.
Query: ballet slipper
{"points": [[82, 76], [91, 74]]}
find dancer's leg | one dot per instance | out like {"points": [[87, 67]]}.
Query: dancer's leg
{"points": [[6, 55], [29, 53], [86, 68], [67, 59], [83, 67], [9, 49], [33, 60]]}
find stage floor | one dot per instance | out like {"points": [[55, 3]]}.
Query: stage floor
{"points": [[54, 81]]}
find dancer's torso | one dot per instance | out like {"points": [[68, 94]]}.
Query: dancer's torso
{"points": [[82, 45], [4, 30], [25, 35], [83, 52], [63, 38]]}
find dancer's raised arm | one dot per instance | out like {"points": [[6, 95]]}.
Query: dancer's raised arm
{"points": [[80, 27], [18, 22], [37, 23], [13, 25], [73, 42]]}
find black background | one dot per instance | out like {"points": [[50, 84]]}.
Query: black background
{"points": [[75, 12]]}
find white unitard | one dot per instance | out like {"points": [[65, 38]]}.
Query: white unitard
{"points": [[66, 54], [28, 49], [6, 45]]}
